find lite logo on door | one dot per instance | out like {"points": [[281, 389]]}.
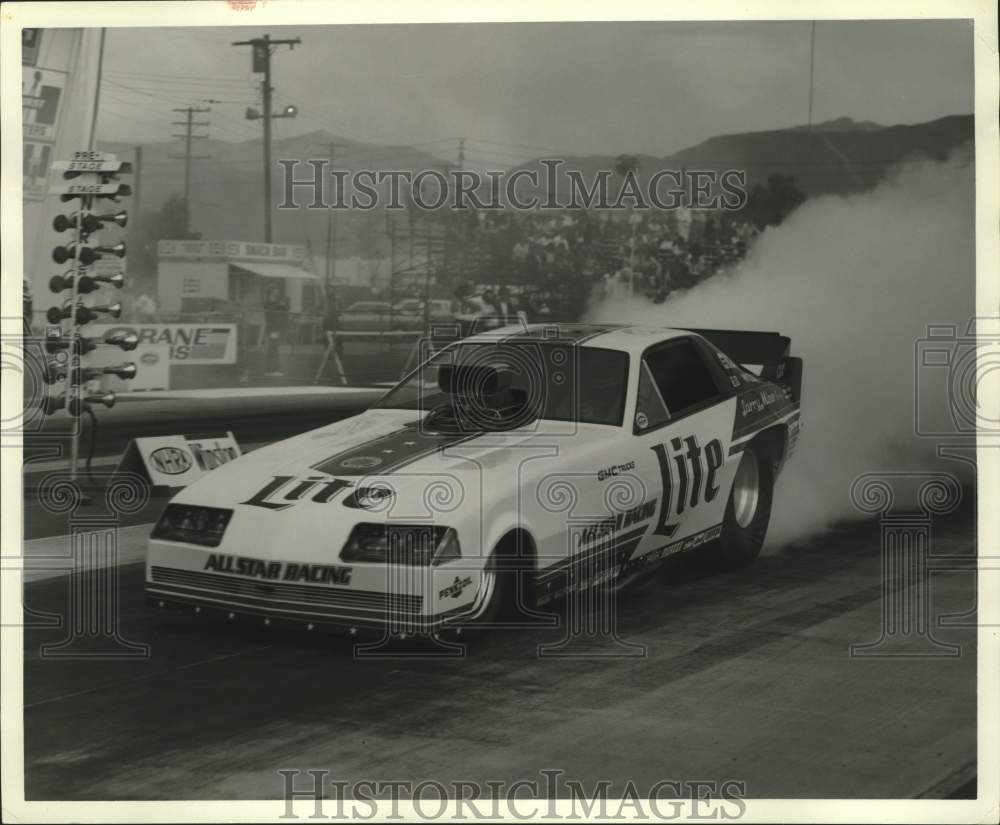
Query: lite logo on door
{"points": [[687, 472], [323, 488]]}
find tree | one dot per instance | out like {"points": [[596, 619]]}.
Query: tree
{"points": [[769, 205], [171, 222]]}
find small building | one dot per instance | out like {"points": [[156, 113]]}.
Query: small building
{"points": [[199, 276]]}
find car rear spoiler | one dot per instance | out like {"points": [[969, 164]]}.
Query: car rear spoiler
{"points": [[764, 348], [769, 350]]}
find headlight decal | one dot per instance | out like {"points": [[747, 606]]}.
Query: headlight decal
{"points": [[192, 524], [407, 545]]}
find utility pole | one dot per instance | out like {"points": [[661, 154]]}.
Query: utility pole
{"points": [[331, 228], [137, 180], [461, 153], [188, 136], [812, 69], [390, 226], [262, 65], [91, 143]]}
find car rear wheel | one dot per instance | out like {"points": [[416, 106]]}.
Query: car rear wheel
{"points": [[748, 511]]}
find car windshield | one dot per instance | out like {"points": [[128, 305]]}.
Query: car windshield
{"points": [[555, 381]]}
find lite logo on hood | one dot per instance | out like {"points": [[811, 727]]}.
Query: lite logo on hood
{"points": [[284, 491]]}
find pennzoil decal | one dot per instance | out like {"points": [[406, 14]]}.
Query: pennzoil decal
{"points": [[278, 571], [456, 588]]}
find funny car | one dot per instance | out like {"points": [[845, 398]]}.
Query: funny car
{"points": [[510, 468]]}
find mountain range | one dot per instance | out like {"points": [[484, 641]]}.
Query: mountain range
{"points": [[839, 156]]}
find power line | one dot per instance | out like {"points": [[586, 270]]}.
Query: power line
{"points": [[181, 77], [170, 95]]}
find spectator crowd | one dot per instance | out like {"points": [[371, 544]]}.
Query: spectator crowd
{"points": [[557, 262]]}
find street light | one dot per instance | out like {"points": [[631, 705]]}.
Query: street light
{"points": [[288, 111]]}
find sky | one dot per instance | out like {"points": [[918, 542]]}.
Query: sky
{"points": [[517, 90]]}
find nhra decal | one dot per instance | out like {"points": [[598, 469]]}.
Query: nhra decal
{"points": [[292, 490], [390, 452], [614, 470], [278, 571], [688, 475], [171, 460], [456, 588]]}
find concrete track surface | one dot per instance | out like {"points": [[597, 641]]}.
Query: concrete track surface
{"points": [[745, 676]]}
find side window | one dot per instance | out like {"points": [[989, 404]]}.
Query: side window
{"points": [[650, 410], [681, 376]]}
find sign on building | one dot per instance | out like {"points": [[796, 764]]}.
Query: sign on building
{"points": [[41, 100], [31, 42]]}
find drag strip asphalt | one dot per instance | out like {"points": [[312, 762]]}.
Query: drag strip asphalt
{"points": [[740, 676]]}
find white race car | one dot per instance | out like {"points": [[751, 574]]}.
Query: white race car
{"points": [[511, 467]]}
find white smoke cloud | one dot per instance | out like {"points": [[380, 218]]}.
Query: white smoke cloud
{"points": [[854, 281]]}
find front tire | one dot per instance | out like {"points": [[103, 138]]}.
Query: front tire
{"points": [[748, 510], [505, 587]]}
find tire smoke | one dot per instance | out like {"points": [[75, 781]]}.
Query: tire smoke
{"points": [[854, 281]]}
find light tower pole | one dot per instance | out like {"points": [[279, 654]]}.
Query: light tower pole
{"points": [[261, 54]]}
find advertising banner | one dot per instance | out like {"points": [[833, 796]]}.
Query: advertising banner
{"points": [[189, 343], [178, 460]]}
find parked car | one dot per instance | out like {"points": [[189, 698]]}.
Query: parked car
{"points": [[368, 316], [439, 310], [381, 316]]}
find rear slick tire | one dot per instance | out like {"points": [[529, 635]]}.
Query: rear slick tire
{"points": [[748, 511]]}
